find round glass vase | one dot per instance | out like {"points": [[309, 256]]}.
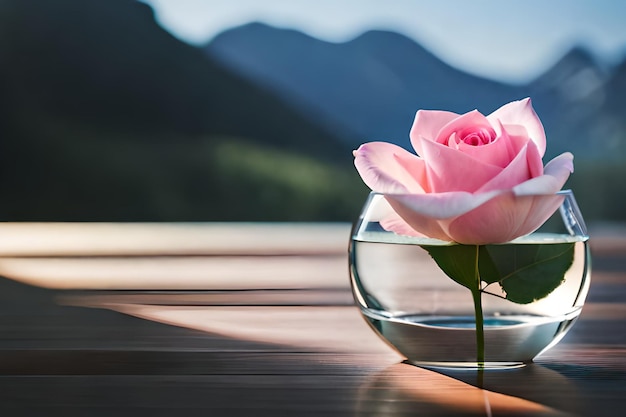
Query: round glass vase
{"points": [[406, 297]]}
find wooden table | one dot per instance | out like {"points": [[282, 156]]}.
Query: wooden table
{"points": [[100, 319]]}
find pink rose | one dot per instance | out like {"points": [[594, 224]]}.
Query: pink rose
{"points": [[477, 179]]}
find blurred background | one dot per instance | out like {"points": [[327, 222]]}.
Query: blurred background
{"points": [[190, 110]]}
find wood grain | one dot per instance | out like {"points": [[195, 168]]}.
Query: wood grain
{"points": [[294, 349]]}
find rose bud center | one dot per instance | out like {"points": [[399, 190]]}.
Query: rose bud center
{"points": [[477, 137]]}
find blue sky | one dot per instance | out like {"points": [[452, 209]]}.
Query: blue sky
{"points": [[508, 40]]}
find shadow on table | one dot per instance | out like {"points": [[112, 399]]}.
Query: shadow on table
{"points": [[537, 390], [57, 359]]}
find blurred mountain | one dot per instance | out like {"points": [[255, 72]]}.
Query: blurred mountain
{"points": [[582, 104], [105, 116], [369, 88]]}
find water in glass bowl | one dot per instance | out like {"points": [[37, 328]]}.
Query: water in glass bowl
{"points": [[429, 318]]}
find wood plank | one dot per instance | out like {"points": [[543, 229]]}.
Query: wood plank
{"points": [[270, 350], [144, 239]]}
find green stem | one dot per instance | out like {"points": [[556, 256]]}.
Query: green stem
{"points": [[478, 315], [480, 335]]}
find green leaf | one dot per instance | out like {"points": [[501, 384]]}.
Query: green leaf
{"points": [[456, 261], [527, 272], [487, 268]]}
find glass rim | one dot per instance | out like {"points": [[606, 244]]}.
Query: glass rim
{"points": [[570, 212], [566, 192]]}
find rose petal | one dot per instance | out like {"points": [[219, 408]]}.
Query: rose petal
{"points": [[417, 223], [516, 138], [555, 174], [450, 170], [427, 124], [518, 171], [494, 217], [471, 119], [522, 113], [501, 151], [543, 206], [394, 223], [493, 222], [440, 205], [387, 168], [430, 214], [535, 163], [503, 218]]}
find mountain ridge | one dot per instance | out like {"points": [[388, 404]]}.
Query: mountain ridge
{"points": [[372, 85], [265, 55]]}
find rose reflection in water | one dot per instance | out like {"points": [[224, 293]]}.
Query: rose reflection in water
{"points": [[403, 389]]}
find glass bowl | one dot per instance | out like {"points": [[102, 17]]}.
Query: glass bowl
{"points": [[429, 318]]}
